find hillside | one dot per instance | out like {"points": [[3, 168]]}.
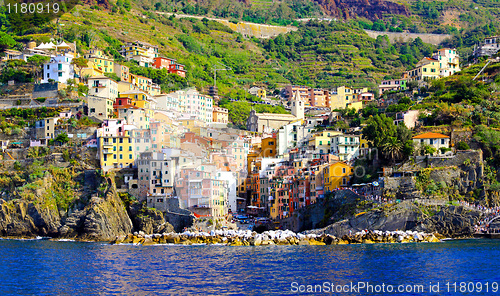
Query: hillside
{"points": [[416, 15], [318, 54]]}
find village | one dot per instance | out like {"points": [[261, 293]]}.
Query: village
{"points": [[181, 145]]}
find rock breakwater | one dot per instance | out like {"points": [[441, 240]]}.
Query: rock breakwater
{"points": [[279, 237]]}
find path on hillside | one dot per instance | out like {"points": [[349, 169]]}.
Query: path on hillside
{"points": [[245, 28]]}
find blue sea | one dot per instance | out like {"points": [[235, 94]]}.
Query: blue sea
{"points": [[42, 267]]}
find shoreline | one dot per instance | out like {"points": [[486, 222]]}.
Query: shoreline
{"points": [[248, 238]]}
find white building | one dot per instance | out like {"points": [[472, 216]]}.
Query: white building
{"points": [[346, 147], [408, 118], [231, 178], [135, 116], [199, 105], [156, 175], [168, 102], [288, 136], [142, 52], [103, 87], [489, 47], [449, 61], [59, 69], [434, 140]]}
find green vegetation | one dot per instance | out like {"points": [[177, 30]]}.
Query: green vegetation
{"points": [[393, 141]]}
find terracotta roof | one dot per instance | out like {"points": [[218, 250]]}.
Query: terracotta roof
{"points": [[431, 136]]}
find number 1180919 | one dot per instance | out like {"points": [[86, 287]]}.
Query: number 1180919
{"points": [[25, 8], [471, 287]]}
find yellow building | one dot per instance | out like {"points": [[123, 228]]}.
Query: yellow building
{"points": [[274, 204], [355, 105], [190, 123], [364, 147], [426, 69], [343, 96], [268, 147], [100, 107], [142, 52], [336, 175], [124, 86], [320, 144], [101, 63], [258, 92], [91, 71], [145, 84], [122, 72], [116, 151], [220, 115], [140, 99]]}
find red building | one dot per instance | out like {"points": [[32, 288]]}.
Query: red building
{"points": [[177, 69], [163, 63], [122, 102]]}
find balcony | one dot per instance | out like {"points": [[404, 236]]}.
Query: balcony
{"points": [[348, 143], [99, 85], [107, 152]]}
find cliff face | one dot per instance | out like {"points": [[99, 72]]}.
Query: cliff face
{"points": [[448, 221], [64, 203], [370, 9], [42, 211]]}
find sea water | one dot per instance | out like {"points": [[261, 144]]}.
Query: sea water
{"points": [[42, 267]]}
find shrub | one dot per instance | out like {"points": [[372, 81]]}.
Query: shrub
{"points": [[462, 146]]}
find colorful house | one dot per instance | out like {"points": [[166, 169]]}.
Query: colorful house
{"points": [[337, 175]]}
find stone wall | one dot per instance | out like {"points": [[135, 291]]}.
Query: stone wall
{"points": [[395, 37], [173, 214]]}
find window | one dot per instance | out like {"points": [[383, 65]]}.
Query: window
{"points": [[59, 74], [442, 141], [343, 170]]}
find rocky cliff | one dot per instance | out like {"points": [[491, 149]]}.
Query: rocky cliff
{"points": [[411, 215], [64, 203], [370, 9]]}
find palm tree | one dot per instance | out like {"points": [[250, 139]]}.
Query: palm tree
{"points": [[393, 148]]}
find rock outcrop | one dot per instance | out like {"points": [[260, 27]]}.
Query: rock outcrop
{"points": [[370, 9], [448, 221], [51, 210], [149, 220]]}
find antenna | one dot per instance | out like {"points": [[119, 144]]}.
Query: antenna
{"points": [[213, 89], [219, 67]]}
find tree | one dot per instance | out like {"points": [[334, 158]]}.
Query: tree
{"points": [[6, 41], [80, 63], [412, 85], [36, 62], [403, 133], [379, 129], [62, 138], [392, 148]]}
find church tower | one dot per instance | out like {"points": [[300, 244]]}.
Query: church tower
{"points": [[297, 106]]}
